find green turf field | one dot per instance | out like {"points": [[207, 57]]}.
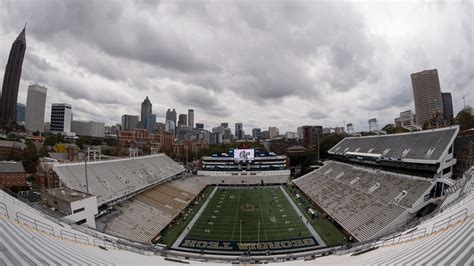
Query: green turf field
{"points": [[248, 215]]}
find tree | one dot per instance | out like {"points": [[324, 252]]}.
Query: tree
{"points": [[60, 148], [388, 128], [305, 159], [13, 137], [328, 142], [31, 157], [392, 129], [465, 120], [52, 139]]}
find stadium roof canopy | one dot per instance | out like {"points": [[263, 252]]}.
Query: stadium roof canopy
{"points": [[429, 146]]}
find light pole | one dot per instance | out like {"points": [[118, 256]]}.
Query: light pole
{"points": [[85, 169]]}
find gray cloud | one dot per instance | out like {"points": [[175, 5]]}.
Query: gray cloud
{"points": [[198, 97], [283, 63]]}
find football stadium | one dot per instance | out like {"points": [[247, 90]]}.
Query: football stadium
{"points": [[382, 199]]}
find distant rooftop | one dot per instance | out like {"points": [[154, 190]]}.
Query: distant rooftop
{"points": [[67, 194], [11, 167], [12, 144]]}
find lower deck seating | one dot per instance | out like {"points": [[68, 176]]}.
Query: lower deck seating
{"points": [[145, 215], [361, 200]]}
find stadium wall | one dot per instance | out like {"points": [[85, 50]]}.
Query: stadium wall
{"points": [[244, 178]]}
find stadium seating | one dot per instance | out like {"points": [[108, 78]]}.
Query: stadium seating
{"points": [[401, 146], [450, 244], [145, 215], [113, 179], [361, 200]]}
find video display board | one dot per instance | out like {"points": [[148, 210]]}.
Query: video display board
{"points": [[244, 154]]}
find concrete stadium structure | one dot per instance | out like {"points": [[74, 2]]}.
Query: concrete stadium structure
{"points": [[373, 205], [31, 238]]}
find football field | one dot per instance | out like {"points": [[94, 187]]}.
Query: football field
{"points": [[237, 217]]}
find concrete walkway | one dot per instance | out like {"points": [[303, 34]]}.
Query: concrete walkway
{"points": [[305, 221]]}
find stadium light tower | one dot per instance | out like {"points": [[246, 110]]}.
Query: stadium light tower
{"points": [[464, 100], [85, 171]]}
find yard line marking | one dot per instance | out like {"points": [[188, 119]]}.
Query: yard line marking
{"points": [[261, 215], [236, 212]]}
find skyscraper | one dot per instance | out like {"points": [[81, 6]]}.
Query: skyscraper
{"points": [[35, 108], [311, 135], [256, 133], [273, 132], [170, 127], [427, 95], [61, 117], [11, 80], [20, 113], [129, 122], [151, 123], [183, 120], [171, 115], [191, 118], [239, 131], [447, 105], [88, 128], [145, 111]]}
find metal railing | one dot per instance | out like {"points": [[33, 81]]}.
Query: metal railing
{"points": [[38, 225], [446, 222], [3, 209], [74, 237], [106, 242]]}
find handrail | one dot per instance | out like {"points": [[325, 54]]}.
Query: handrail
{"points": [[4, 207], [423, 231], [106, 241], [450, 219], [102, 243], [37, 224], [75, 237]]}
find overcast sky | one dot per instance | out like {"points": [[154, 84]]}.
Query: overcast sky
{"points": [[262, 63]]}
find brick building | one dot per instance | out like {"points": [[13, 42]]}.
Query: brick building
{"points": [[45, 176], [139, 138], [11, 150], [12, 174]]}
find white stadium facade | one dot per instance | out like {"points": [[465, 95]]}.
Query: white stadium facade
{"points": [[374, 188]]}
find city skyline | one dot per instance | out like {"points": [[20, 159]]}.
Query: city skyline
{"points": [[359, 72]]}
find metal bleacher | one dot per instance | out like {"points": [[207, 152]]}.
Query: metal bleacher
{"points": [[145, 215], [344, 192], [113, 179]]}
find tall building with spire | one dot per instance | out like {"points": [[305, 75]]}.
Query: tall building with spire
{"points": [[11, 79], [146, 110]]}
